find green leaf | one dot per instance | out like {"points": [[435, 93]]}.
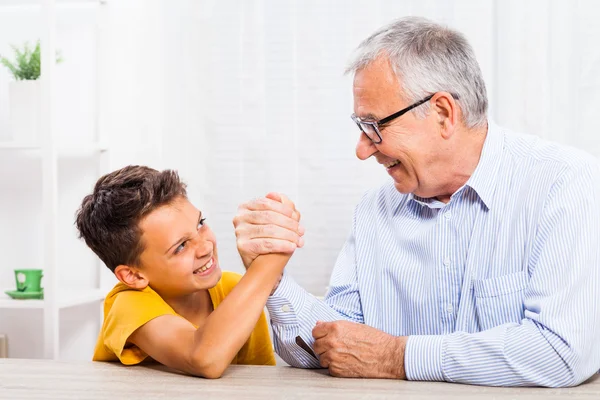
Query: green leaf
{"points": [[27, 62]]}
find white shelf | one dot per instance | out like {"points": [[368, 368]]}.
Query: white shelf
{"points": [[18, 146], [37, 3], [80, 297], [72, 150], [50, 151], [66, 299]]}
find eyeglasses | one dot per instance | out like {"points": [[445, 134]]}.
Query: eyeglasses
{"points": [[371, 128]]}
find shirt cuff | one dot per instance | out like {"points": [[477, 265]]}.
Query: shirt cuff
{"points": [[424, 357], [286, 302]]}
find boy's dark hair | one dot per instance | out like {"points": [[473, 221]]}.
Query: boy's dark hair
{"points": [[108, 218]]}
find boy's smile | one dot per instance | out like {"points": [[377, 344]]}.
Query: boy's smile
{"points": [[205, 269]]}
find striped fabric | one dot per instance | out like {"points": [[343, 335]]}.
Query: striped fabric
{"points": [[500, 286]]}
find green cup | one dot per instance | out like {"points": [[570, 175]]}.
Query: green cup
{"points": [[29, 280]]}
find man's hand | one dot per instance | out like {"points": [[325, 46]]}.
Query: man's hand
{"points": [[267, 225], [354, 350]]}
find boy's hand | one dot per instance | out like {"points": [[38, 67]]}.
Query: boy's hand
{"points": [[267, 225]]}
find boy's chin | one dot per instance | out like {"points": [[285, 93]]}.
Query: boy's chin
{"points": [[210, 280]]}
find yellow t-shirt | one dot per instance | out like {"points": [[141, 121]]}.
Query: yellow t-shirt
{"points": [[125, 310]]}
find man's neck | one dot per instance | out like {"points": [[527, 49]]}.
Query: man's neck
{"points": [[466, 158]]}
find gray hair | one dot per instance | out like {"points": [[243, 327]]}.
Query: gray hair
{"points": [[427, 58]]}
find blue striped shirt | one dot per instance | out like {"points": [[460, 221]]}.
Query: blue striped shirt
{"points": [[500, 286]]}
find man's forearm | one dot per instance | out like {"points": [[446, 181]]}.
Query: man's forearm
{"points": [[294, 313], [507, 355]]}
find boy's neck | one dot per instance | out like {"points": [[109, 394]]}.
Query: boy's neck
{"points": [[194, 307]]}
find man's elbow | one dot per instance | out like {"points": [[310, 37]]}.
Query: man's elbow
{"points": [[580, 375], [573, 379], [573, 373]]}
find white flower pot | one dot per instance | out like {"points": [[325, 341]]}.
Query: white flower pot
{"points": [[24, 111]]}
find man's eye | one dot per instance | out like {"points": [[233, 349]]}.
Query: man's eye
{"points": [[201, 223]]}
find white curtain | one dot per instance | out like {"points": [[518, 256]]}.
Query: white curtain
{"points": [[255, 99]]}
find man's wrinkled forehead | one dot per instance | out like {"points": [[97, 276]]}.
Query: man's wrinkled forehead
{"points": [[372, 83]]}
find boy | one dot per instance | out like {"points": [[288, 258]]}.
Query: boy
{"points": [[142, 226]]}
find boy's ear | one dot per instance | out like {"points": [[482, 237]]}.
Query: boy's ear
{"points": [[131, 277]]}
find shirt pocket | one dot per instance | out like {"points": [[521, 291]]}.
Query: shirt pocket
{"points": [[499, 300]]}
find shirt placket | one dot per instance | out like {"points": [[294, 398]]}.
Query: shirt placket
{"points": [[447, 267]]}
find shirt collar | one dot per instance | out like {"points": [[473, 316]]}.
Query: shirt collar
{"points": [[483, 180], [430, 202]]}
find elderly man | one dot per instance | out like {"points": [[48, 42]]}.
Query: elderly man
{"points": [[478, 263]]}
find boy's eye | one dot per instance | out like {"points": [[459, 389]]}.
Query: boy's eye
{"points": [[183, 244], [180, 248]]}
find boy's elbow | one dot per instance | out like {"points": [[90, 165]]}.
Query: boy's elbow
{"points": [[208, 369], [213, 372]]}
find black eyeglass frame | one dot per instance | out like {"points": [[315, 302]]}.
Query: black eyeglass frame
{"points": [[375, 124]]}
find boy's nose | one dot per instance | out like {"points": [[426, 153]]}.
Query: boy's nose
{"points": [[203, 248]]}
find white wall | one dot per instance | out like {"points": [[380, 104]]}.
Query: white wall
{"points": [[246, 97], [256, 99]]}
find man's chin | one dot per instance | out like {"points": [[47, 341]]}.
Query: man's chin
{"points": [[402, 187]]}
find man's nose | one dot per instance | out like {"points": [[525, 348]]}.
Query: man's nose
{"points": [[365, 148]]}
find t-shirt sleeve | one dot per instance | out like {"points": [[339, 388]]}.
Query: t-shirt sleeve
{"points": [[131, 310]]}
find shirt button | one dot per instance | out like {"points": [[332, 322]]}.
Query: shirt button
{"points": [[447, 261], [448, 214], [285, 308], [450, 309]]}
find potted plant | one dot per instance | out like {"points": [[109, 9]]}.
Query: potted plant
{"points": [[24, 92]]}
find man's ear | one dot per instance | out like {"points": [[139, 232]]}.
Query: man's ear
{"points": [[447, 110], [131, 276]]}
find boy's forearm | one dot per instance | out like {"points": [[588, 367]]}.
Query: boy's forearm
{"points": [[229, 325]]}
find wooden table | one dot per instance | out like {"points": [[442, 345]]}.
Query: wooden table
{"points": [[44, 379]]}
